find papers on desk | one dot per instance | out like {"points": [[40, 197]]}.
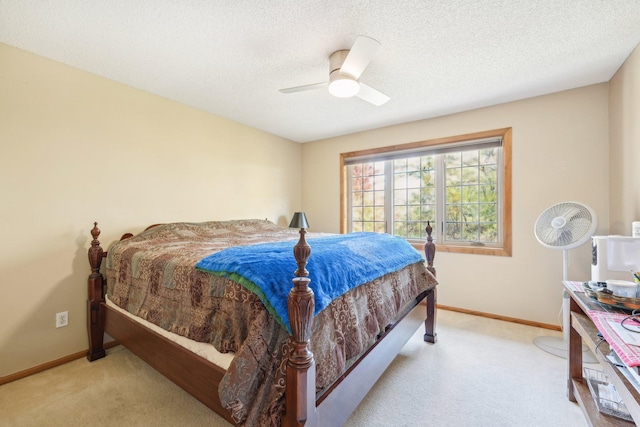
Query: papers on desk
{"points": [[574, 286], [631, 335], [607, 324], [630, 373]]}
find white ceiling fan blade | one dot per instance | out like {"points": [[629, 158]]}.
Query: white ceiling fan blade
{"points": [[371, 95], [360, 55], [304, 88]]}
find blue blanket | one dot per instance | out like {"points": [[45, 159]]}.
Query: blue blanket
{"points": [[337, 264]]}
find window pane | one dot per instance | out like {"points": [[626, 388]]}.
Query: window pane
{"points": [[378, 198], [452, 160], [453, 176], [429, 178], [470, 175], [488, 193], [454, 213], [367, 213], [428, 214], [400, 228], [488, 174], [428, 196], [452, 231], [367, 198], [469, 194], [400, 213], [400, 165], [488, 212], [488, 156], [400, 197], [378, 182], [413, 213], [470, 232], [378, 168], [453, 195], [414, 180], [357, 184], [470, 213], [413, 196], [413, 230], [489, 233], [367, 183], [379, 213], [427, 162], [356, 213], [413, 164]]}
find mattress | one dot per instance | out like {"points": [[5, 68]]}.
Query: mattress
{"points": [[204, 350]]}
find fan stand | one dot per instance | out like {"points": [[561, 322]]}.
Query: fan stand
{"points": [[558, 346]]}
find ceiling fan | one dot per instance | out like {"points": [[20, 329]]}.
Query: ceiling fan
{"points": [[345, 68]]}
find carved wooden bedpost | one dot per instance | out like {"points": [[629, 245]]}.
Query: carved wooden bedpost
{"points": [[301, 376], [430, 323], [430, 249], [95, 298]]}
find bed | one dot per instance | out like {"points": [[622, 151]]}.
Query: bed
{"points": [[300, 367]]}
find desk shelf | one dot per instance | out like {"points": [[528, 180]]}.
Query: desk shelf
{"points": [[583, 330]]}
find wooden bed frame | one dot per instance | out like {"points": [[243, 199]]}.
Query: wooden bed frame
{"points": [[201, 378]]}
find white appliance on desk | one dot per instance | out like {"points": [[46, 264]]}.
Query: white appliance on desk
{"points": [[614, 257]]}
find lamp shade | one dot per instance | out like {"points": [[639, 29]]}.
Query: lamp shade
{"points": [[299, 220]]}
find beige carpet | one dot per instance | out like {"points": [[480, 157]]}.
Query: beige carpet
{"points": [[482, 372]]}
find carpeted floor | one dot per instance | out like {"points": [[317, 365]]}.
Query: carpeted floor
{"points": [[482, 372]]}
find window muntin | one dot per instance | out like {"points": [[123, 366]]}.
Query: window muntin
{"points": [[460, 184]]}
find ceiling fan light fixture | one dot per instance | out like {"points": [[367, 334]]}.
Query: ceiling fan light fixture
{"points": [[342, 85], [345, 68]]}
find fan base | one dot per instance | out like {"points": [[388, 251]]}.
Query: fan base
{"points": [[558, 347]]}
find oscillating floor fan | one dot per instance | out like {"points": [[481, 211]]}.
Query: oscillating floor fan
{"points": [[565, 226]]}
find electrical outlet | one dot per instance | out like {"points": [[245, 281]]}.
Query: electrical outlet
{"points": [[62, 319]]}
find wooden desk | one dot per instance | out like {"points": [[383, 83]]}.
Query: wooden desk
{"points": [[583, 330]]}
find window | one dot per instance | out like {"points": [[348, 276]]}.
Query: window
{"points": [[460, 185]]}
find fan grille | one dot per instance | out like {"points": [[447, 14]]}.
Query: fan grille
{"points": [[565, 225]]}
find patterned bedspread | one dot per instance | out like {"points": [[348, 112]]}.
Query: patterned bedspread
{"points": [[152, 275]]}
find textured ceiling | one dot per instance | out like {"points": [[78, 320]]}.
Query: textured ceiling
{"points": [[230, 57]]}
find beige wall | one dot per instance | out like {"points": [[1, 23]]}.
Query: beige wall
{"points": [[77, 148], [560, 152], [624, 135]]}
